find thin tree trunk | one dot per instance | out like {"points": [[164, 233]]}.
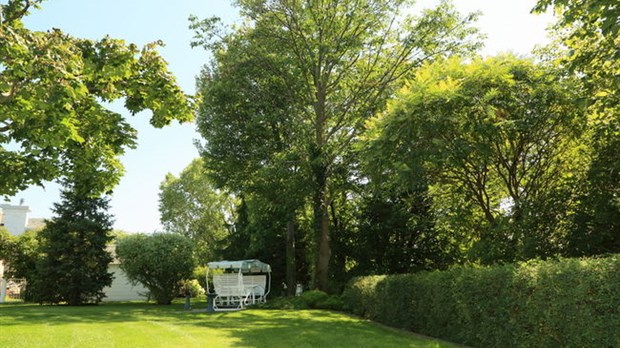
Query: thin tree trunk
{"points": [[290, 256], [324, 250]]}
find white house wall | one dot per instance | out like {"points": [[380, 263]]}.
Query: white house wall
{"points": [[121, 289], [15, 218], [2, 283]]}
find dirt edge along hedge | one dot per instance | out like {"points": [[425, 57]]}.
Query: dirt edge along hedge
{"points": [[563, 303]]}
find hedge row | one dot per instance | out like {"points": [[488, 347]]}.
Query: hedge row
{"points": [[565, 303]]}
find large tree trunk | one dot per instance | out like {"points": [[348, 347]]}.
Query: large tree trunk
{"points": [[320, 167], [323, 251], [290, 257]]}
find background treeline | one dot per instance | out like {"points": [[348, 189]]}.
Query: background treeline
{"points": [[375, 148]]}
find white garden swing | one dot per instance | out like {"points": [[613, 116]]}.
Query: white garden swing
{"points": [[242, 283]]}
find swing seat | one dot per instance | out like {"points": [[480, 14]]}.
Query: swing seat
{"points": [[245, 282], [230, 293]]}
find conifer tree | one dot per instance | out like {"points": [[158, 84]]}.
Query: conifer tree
{"points": [[74, 268]]}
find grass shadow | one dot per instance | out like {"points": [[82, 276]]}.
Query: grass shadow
{"points": [[249, 328]]}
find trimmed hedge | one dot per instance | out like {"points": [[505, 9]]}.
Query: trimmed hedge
{"points": [[564, 303]]}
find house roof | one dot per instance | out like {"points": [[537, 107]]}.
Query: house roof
{"points": [[35, 224]]}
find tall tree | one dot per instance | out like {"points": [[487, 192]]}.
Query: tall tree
{"points": [[345, 58], [589, 32], [51, 84], [190, 205], [502, 132], [243, 104]]}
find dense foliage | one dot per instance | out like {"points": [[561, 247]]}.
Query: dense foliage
{"points": [[564, 303], [22, 257], [160, 262], [588, 33], [6, 244]]}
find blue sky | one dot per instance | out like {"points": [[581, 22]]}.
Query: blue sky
{"points": [[507, 23]]}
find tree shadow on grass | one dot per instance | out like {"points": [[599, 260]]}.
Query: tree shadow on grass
{"points": [[250, 328], [62, 315], [313, 329]]}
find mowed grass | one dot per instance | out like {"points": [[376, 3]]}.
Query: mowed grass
{"points": [[148, 325]]}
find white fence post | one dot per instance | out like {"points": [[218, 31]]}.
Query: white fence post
{"points": [[2, 289]]}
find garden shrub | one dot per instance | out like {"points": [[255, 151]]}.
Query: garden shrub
{"points": [[160, 261], [313, 299], [563, 303], [279, 303], [193, 286], [199, 274], [332, 302]]}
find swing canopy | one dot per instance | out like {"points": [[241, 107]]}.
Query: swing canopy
{"points": [[245, 266]]}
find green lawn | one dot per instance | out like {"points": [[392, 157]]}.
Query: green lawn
{"points": [[144, 325]]}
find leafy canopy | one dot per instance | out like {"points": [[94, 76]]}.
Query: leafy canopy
{"points": [[500, 133], [53, 90]]}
